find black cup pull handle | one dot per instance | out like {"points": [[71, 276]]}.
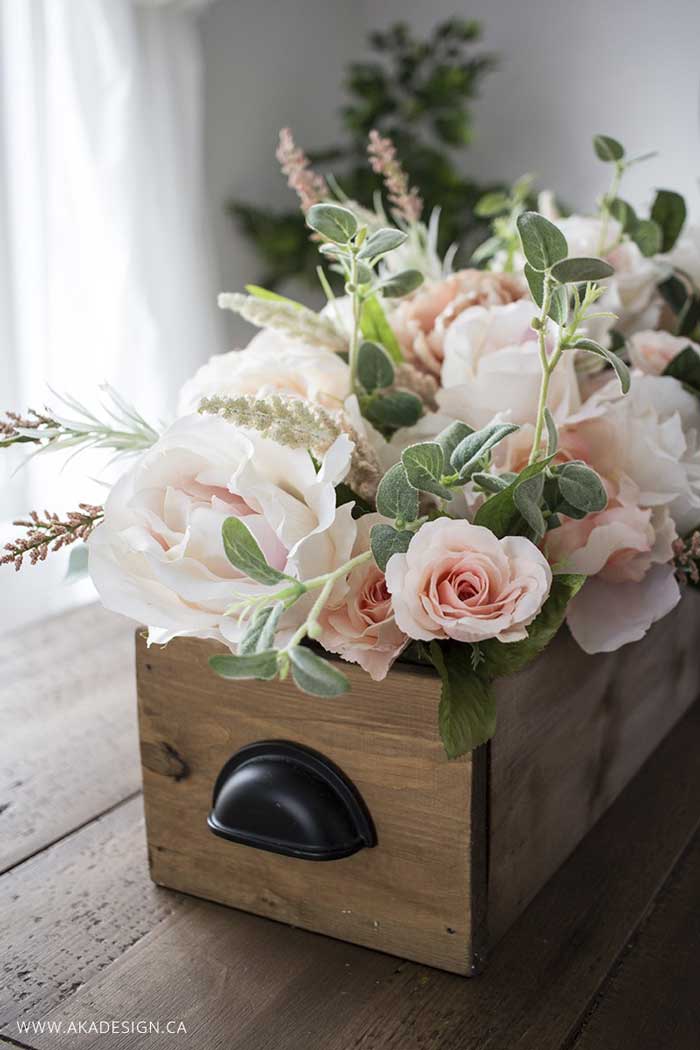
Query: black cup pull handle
{"points": [[285, 798]]}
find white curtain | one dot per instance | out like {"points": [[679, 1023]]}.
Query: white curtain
{"points": [[105, 269]]}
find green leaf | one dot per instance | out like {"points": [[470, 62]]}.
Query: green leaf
{"points": [[580, 271], [396, 498], [260, 635], [582, 488], [685, 367], [77, 562], [648, 237], [499, 513], [401, 284], [385, 540], [374, 367], [380, 242], [424, 464], [486, 250], [471, 450], [543, 243], [507, 658], [674, 293], [330, 220], [527, 497], [314, 675], [608, 149], [559, 305], [250, 665], [535, 282], [467, 712], [450, 437], [394, 410], [263, 293], [624, 213], [552, 435], [376, 328], [491, 482], [491, 204], [364, 273], [621, 370], [243, 552], [669, 213]]}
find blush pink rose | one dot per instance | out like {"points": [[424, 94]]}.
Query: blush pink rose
{"points": [[651, 352], [361, 627], [458, 580], [421, 321]]}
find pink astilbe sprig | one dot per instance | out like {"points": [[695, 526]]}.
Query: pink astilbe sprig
{"points": [[686, 558], [406, 202], [310, 187], [50, 533], [12, 426]]}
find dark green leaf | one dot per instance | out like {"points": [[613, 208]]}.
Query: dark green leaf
{"points": [[543, 243], [535, 282], [504, 659], [243, 552], [394, 410], [647, 236], [559, 305], [581, 487], [250, 665], [374, 326], [472, 449], [668, 212], [621, 370], [608, 149], [401, 284], [689, 317], [314, 675], [380, 242], [385, 541], [330, 220], [685, 367], [396, 498], [674, 292], [374, 367], [499, 513], [467, 712], [425, 464], [580, 271], [624, 213]]}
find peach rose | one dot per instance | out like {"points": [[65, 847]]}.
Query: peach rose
{"points": [[458, 580], [361, 628], [651, 352], [422, 320]]}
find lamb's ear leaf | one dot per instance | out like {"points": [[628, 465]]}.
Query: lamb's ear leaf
{"points": [[467, 712], [243, 551], [249, 665], [314, 675], [620, 368], [260, 635]]}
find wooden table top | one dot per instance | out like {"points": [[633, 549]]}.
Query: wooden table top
{"points": [[606, 958]]}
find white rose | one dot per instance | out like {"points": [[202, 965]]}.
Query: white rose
{"points": [[270, 364], [492, 366], [652, 352], [685, 253], [158, 557]]}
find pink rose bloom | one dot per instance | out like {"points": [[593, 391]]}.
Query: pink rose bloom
{"points": [[421, 321], [458, 580], [651, 352], [362, 629]]}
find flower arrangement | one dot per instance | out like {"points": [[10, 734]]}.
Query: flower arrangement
{"points": [[439, 466]]}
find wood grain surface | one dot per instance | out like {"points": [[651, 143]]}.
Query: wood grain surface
{"points": [[605, 958]]}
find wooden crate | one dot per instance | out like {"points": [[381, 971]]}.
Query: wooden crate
{"points": [[463, 846]]}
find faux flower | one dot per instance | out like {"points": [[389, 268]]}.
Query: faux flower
{"points": [[652, 352], [360, 625], [422, 320], [492, 366], [458, 580], [159, 558], [685, 253], [270, 364]]}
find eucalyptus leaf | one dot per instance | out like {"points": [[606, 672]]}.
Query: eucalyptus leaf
{"points": [[394, 410], [375, 327], [380, 242], [385, 541], [669, 213], [402, 283], [396, 497], [535, 282], [648, 237], [621, 370], [543, 243], [374, 368], [243, 551], [424, 464], [450, 437], [608, 149], [624, 213], [314, 675], [467, 712], [580, 271], [472, 449], [491, 482], [559, 305], [330, 220], [250, 665], [582, 488]]}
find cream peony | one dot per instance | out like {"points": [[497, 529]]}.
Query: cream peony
{"points": [[492, 366], [651, 352], [270, 364], [422, 320], [360, 626], [158, 557], [457, 580]]}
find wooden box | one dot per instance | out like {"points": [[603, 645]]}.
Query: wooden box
{"points": [[462, 846]]}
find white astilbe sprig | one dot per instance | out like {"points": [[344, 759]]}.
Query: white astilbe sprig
{"points": [[293, 320], [300, 424]]}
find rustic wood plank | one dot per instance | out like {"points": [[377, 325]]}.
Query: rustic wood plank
{"points": [[651, 998], [385, 738], [71, 910], [242, 983], [68, 747], [573, 729]]}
